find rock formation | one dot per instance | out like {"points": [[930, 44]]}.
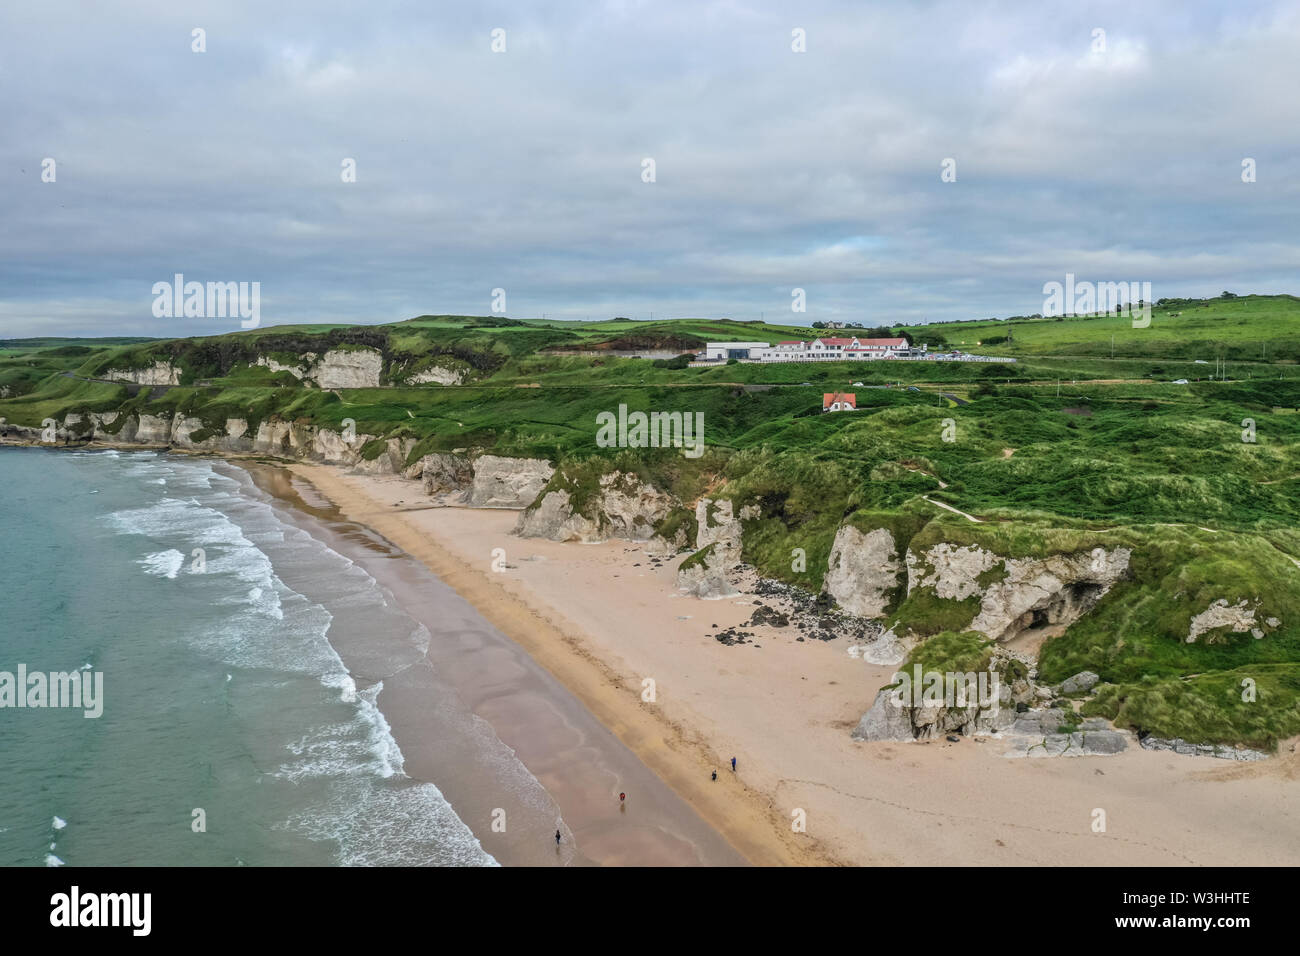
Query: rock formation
{"points": [[160, 373], [863, 571], [624, 507]]}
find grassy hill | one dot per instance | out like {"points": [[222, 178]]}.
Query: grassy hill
{"points": [[1252, 328]]}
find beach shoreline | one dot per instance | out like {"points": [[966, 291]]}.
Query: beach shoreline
{"points": [[503, 708], [739, 813], [786, 708]]}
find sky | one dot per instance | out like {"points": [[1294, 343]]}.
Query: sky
{"points": [[1113, 156]]}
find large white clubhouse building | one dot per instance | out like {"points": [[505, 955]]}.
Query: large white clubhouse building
{"points": [[831, 349]]}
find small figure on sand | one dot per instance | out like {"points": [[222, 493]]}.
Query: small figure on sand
{"points": [[557, 837], [622, 797], [733, 764], [715, 775]]}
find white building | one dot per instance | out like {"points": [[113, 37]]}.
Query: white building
{"points": [[721, 351], [837, 350], [832, 349]]}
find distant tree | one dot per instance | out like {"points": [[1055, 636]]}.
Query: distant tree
{"points": [[923, 335], [681, 361], [819, 325], [1226, 295]]}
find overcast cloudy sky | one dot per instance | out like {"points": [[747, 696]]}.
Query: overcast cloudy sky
{"points": [[522, 169]]}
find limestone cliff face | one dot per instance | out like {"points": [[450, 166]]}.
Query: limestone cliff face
{"points": [[953, 571], [391, 461], [337, 368], [1015, 593], [863, 571], [625, 507], [349, 368], [507, 482], [488, 481], [277, 438], [1056, 590], [444, 473], [437, 375], [297, 371], [719, 547], [160, 373], [717, 524], [704, 575]]}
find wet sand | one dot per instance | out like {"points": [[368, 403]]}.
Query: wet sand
{"points": [[477, 690]]}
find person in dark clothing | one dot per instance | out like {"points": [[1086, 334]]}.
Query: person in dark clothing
{"points": [[733, 764], [557, 837], [715, 775]]}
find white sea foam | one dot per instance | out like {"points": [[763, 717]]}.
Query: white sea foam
{"points": [[59, 823], [372, 809], [362, 744], [166, 564], [378, 823], [52, 860], [346, 686]]}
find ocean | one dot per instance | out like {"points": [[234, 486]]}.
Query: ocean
{"points": [[232, 732]]}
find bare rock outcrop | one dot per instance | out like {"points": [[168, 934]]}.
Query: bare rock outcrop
{"points": [[891, 717], [507, 482], [445, 473], [953, 571], [1222, 751], [1222, 616], [717, 524], [863, 571], [624, 507], [704, 574], [1026, 592], [438, 375], [159, 373], [390, 461], [337, 368], [348, 368], [1056, 590], [1046, 733]]}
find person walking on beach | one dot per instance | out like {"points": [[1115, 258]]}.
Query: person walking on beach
{"points": [[715, 775], [622, 797], [557, 837], [733, 764]]}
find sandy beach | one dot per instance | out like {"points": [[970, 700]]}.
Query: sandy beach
{"points": [[602, 621], [475, 706]]}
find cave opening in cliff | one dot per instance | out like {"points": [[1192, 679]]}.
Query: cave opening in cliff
{"points": [[1058, 611]]}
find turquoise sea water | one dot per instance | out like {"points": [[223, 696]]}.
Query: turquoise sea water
{"points": [[221, 689]]}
